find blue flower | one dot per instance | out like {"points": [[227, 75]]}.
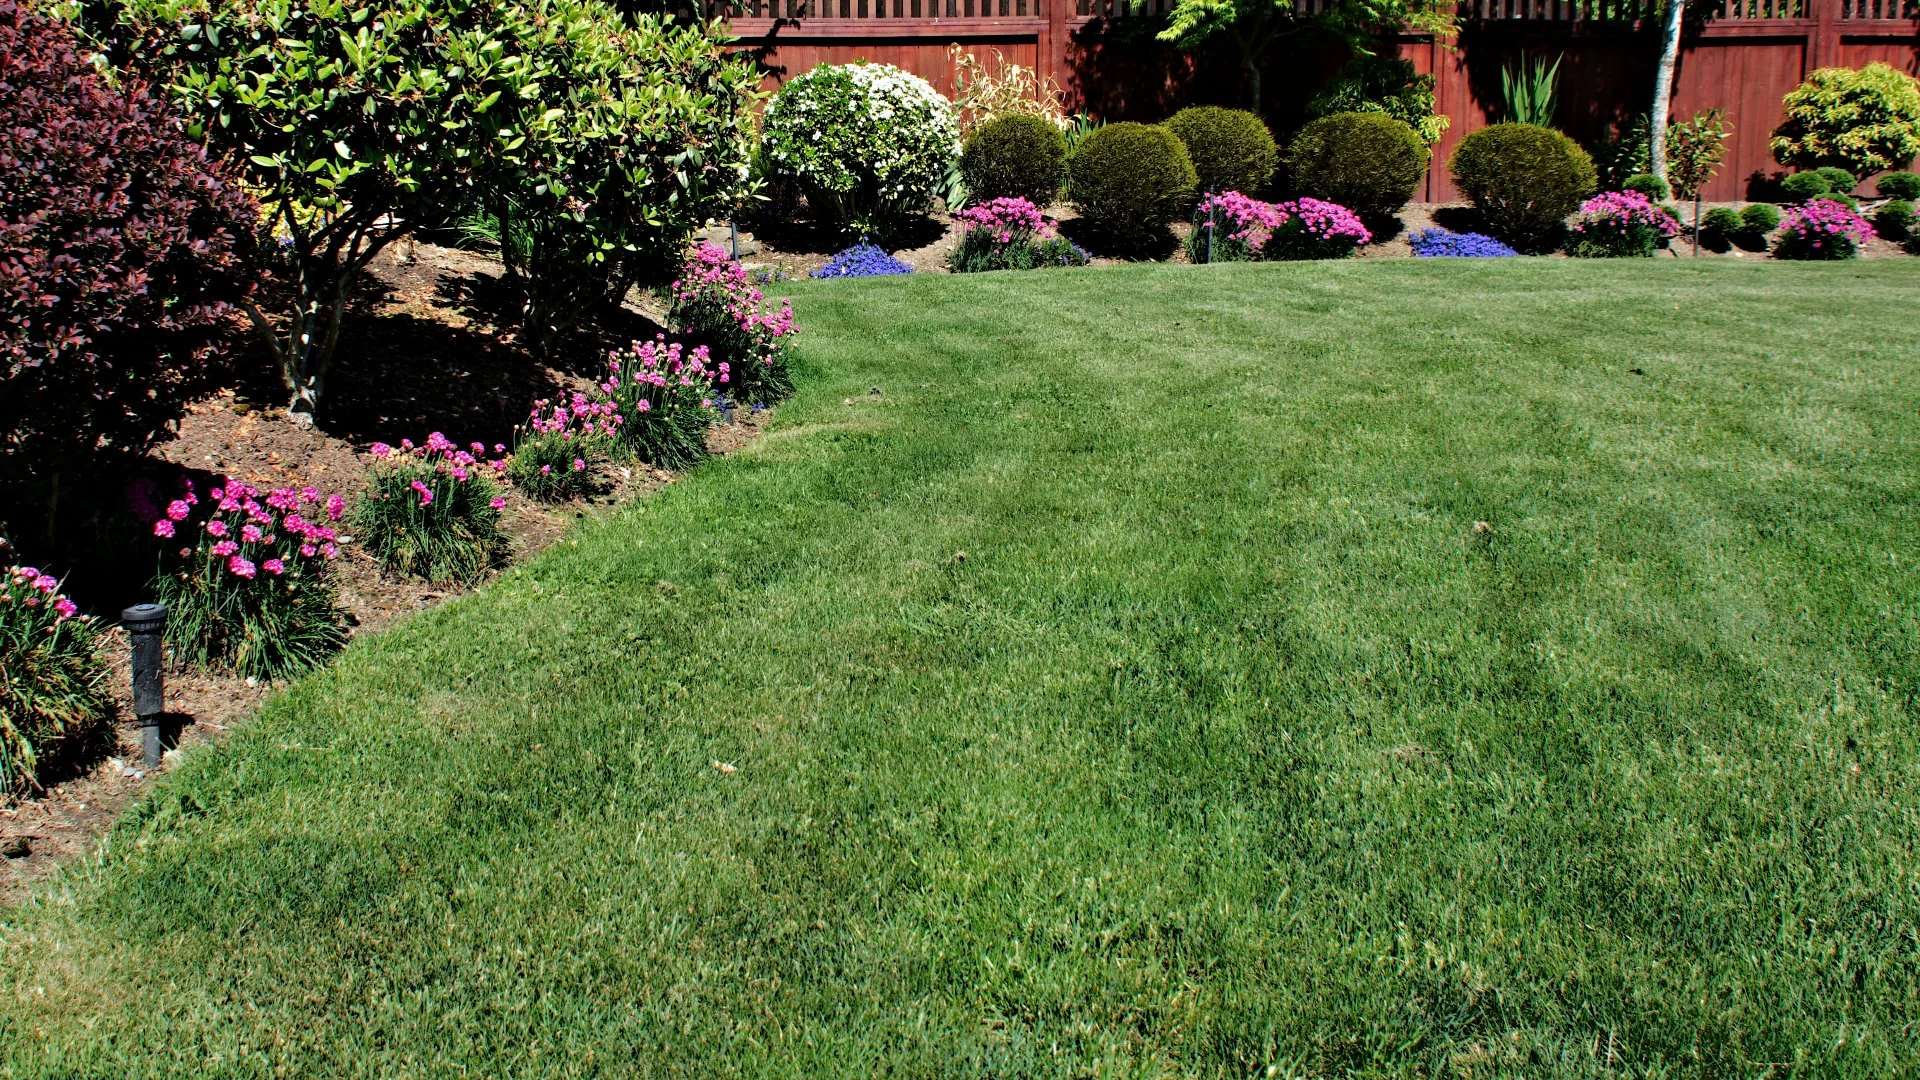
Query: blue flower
{"points": [[862, 260], [1439, 243]]}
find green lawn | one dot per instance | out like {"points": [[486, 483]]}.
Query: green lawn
{"points": [[1231, 741]]}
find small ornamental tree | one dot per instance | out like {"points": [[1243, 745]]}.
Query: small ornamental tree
{"points": [[1256, 26], [121, 253], [1864, 121], [1694, 151], [351, 119]]}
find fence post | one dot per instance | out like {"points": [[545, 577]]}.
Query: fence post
{"points": [[1823, 45], [1051, 56]]}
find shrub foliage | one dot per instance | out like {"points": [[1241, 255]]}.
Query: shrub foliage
{"points": [[1129, 180], [1524, 179], [54, 685], [1015, 156], [1865, 121], [1231, 149], [122, 250], [1368, 162]]}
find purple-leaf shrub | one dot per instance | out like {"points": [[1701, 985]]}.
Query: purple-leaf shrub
{"points": [[244, 575], [1822, 229], [1615, 224], [664, 393], [716, 305], [122, 251], [433, 511], [55, 691]]}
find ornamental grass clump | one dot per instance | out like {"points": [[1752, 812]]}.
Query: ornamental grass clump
{"points": [[665, 394], [1239, 228], [1620, 224], [1010, 234], [54, 687], [555, 450], [1441, 244], [716, 305], [433, 511], [244, 576], [862, 260], [1314, 229], [1822, 229]]}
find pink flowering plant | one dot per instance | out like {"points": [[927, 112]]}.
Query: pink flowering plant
{"points": [[664, 394], [1239, 227], [433, 511], [1620, 224], [1316, 229], [714, 304], [1822, 229], [1010, 234], [555, 452], [243, 573], [55, 694]]}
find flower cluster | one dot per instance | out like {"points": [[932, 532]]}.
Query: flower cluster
{"points": [[715, 304], [433, 510], [1239, 228], [1620, 223], [54, 686], [243, 574], [1822, 229], [1441, 244], [553, 449], [1010, 234], [666, 393], [1316, 229], [862, 260]]}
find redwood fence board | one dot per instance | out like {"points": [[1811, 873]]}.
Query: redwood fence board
{"points": [[1742, 59]]}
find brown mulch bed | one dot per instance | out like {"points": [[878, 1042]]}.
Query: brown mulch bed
{"points": [[422, 353]]}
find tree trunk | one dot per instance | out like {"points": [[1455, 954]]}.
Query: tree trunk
{"points": [[1663, 88]]}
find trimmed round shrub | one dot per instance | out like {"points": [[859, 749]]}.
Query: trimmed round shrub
{"points": [[1130, 180], [1894, 220], [1822, 229], [1368, 162], [1231, 149], [1864, 121], [1649, 185], [867, 143], [1760, 218], [1898, 185], [1525, 180], [1838, 179], [56, 693], [122, 252], [1014, 157], [1719, 228], [1802, 186]]}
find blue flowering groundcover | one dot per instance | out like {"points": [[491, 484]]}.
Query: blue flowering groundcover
{"points": [[862, 260], [1438, 243]]}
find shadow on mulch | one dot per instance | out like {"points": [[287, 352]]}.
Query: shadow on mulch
{"points": [[1154, 244], [1459, 219], [803, 235]]}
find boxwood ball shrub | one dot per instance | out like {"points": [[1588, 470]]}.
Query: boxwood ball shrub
{"points": [[1649, 185], [123, 250], [1010, 234], [1231, 149], [55, 689], [1619, 224], [1893, 220], [1760, 217], [1720, 227], [1838, 179], [244, 576], [1822, 229], [1129, 180], [1524, 179], [1864, 121], [1368, 162], [1898, 185], [867, 143], [1015, 156], [1802, 186], [433, 511]]}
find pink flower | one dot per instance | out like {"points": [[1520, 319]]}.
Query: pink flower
{"points": [[177, 510], [224, 548], [498, 502], [163, 527], [216, 527], [64, 608], [330, 551], [46, 583], [309, 550], [250, 533], [380, 450], [336, 506], [546, 470], [310, 493], [274, 567], [240, 567], [426, 493], [579, 465]]}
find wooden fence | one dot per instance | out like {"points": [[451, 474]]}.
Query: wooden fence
{"points": [[1742, 57]]}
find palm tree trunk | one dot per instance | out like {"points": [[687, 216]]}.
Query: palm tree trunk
{"points": [[1663, 88]]}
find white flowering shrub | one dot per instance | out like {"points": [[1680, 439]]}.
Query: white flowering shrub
{"points": [[867, 143]]}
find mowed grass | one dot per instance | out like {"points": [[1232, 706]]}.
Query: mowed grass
{"points": [[1126, 688]]}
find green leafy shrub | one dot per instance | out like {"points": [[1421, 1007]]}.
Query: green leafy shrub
{"points": [[1129, 180], [1231, 149], [1386, 85], [555, 451], [54, 687], [867, 143], [616, 139], [664, 394], [1525, 180], [1802, 186], [1838, 179], [1864, 121], [1649, 185], [433, 511], [1015, 156], [1761, 218], [1367, 162], [1720, 227], [715, 306], [123, 256], [1898, 185], [1894, 220], [244, 576]]}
